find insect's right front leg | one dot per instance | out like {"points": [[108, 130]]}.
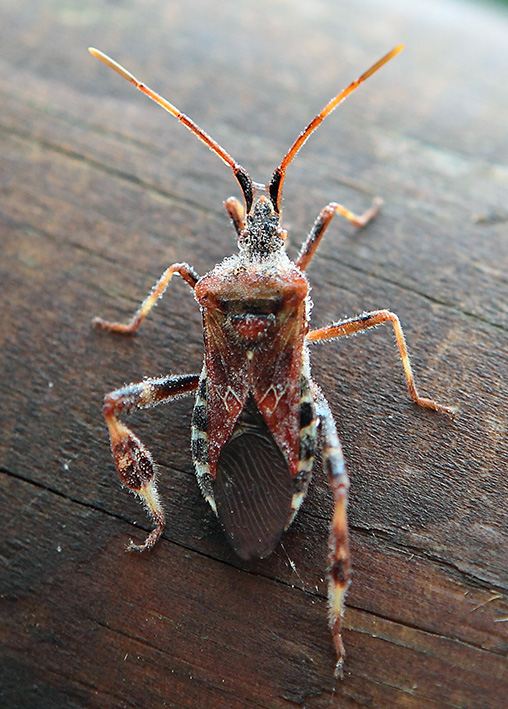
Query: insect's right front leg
{"points": [[183, 269], [320, 225], [133, 460]]}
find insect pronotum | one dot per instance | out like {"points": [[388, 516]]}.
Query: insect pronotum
{"points": [[258, 414]]}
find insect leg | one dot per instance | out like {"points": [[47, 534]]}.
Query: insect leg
{"points": [[183, 269], [321, 224], [236, 213], [373, 319], [133, 460], [339, 562]]}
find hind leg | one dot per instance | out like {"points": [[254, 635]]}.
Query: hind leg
{"points": [[339, 568], [133, 460]]}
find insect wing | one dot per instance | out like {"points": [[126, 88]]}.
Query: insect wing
{"points": [[253, 486], [253, 426]]}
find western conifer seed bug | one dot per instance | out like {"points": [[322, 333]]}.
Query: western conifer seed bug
{"points": [[258, 414]]}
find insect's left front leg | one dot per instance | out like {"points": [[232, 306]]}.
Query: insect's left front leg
{"points": [[133, 460], [339, 568], [373, 319], [236, 213], [183, 269]]}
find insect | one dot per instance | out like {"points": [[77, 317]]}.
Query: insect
{"points": [[258, 415]]}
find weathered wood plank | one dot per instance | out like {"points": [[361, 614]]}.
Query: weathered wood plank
{"points": [[99, 192]]}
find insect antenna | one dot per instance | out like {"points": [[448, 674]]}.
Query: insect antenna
{"points": [[240, 173], [277, 181]]}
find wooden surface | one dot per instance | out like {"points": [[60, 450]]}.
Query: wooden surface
{"points": [[100, 191]]}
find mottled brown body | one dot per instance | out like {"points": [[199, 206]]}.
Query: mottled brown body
{"points": [[258, 414], [253, 342]]}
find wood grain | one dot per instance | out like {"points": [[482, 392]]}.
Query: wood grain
{"points": [[100, 191]]}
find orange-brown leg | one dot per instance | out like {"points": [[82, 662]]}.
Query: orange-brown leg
{"points": [[183, 269], [373, 319], [320, 225], [339, 568], [236, 212], [133, 460]]}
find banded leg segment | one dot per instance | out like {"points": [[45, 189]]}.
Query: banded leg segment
{"points": [[373, 319], [183, 269], [339, 569], [133, 460], [321, 224]]}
